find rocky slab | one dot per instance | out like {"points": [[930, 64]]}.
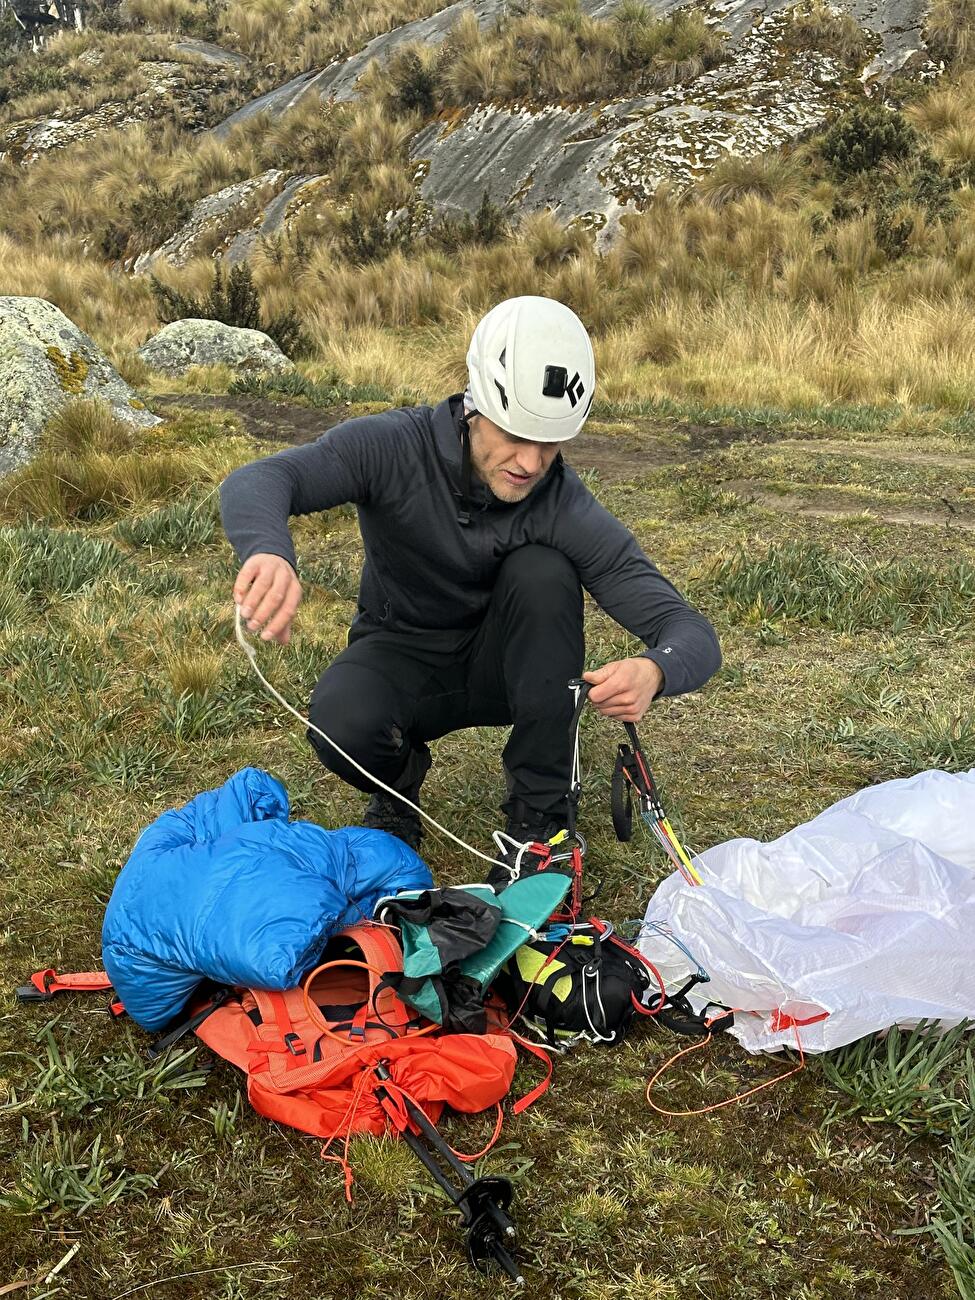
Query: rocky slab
{"points": [[45, 363]]}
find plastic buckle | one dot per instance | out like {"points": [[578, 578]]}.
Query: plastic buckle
{"points": [[294, 1044], [31, 993], [28, 993]]}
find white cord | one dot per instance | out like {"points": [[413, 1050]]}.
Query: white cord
{"points": [[251, 654], [575, 780]]}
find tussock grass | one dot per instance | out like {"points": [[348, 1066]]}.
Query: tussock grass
{"points": [[949, 30], [93, 466], [817, 25], [87, 427], [772, 177], [47, 563], [61, 487], [826, 588], [554, 52], [179, 527], [191, 672]]}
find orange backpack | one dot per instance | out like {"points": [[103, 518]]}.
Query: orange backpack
{"points": [[309, 1053]]}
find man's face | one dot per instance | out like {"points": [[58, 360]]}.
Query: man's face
{"points": [[511, 467]]}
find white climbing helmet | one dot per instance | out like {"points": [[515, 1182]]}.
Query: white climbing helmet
{"points": [[532, 370]]}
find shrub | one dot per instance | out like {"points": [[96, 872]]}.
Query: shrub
{"points": [[922, 188], [413, 80], [368, 234], [487, 225], [866, 136], [148, 220], [235, 301]]}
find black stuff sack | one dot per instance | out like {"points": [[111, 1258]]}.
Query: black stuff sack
{"points": [[576, 984]]}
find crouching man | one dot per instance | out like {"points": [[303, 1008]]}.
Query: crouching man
{"points": [[478, 541]]}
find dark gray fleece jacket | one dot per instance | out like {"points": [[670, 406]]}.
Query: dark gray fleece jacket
{"points": [[427, 572]]}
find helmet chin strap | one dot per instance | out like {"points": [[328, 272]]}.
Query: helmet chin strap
{"points": [[463, 508]]}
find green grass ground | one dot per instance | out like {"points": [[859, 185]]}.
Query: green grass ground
{"points": [[122, 693]]}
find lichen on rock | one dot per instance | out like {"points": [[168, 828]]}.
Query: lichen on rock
{"points": [[187, 343], [46, 362], [71, 370]]}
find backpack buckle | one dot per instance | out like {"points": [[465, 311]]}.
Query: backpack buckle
{"points": [[294, 1045], [28, 993]]}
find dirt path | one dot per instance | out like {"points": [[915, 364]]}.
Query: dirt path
{"points": [[880, 451], [620, 456], [835, 506], [613, 457]]}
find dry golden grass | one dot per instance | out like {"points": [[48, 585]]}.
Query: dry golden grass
{"points": [[293, 37], [161, 15], [111, 306], [747, 290], [193, 672], [553, 51], [950, 32], [768, 176]]}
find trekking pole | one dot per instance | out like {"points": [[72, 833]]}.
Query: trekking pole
{"points": [[482, 1202]]}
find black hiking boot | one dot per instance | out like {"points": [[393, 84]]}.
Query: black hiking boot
{"points": [[524, 826], [384, 813]]}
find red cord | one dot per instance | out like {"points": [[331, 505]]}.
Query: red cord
{"points": [[729, 1101], [391, 1085]]}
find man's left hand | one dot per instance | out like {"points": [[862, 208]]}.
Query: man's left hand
{"points": [[624, 688]]}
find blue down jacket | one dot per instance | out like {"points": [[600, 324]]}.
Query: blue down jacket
{"points": [[227, 887]]}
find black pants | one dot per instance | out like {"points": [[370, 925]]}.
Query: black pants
{"points": [[388, 694]]}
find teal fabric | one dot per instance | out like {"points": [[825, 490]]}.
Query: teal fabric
{"points": [[525, 906], [530, 901]]}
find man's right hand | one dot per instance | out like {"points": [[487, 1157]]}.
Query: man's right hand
{"points": [[268, 593]]}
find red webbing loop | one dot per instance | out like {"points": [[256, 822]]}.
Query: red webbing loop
{"points": [[541, 1088], [50, 982]]}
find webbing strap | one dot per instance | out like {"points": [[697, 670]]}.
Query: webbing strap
{"points": [[45, 983], [541, 1088]]}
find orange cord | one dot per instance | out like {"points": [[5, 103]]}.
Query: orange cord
{"points": [[459, 1154], [349, 1115], [314, 1014], [729, 1101]]}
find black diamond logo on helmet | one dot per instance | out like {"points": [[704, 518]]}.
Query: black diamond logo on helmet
{"points": [[504, 395], [574, 389]]}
